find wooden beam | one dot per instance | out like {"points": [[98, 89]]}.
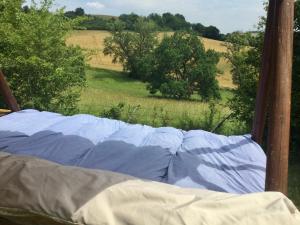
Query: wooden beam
{"points": [[265, 78], [280, 101], [8, 97]]}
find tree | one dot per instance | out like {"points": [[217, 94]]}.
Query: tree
{"points": [[157, 19], [43, 72], [79, 12], [74, 14], [129, 20], [198, 28], [212, 33], [132, 49], [244, 54], [175, 22], [182, 66], [245, 65]]}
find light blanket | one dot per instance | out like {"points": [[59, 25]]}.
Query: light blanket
{"points": [[193, 159]]}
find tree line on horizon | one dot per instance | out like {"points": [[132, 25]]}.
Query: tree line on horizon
{"points": [[165, 22]]}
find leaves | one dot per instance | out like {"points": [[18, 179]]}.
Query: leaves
{"points": [[182, 66], [132, 49], [43, 72]]}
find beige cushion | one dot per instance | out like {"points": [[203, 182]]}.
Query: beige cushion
{"points": [[34, 191]]}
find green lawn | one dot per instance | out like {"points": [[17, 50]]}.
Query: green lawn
{"points": [[107, 88]]}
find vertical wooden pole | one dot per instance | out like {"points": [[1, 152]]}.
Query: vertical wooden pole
{"points": [[280, 108], [8, 97], [266, 74]]}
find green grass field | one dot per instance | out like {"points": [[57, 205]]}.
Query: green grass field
{"points": [[108, 88]]}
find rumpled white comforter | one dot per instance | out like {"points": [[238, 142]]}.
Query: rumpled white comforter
{"points": [[193, 159]]}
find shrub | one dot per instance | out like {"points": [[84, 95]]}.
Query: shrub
{"points": [[43, 72], [114, 112], [182, 66], [127, 113], [132, 49]]}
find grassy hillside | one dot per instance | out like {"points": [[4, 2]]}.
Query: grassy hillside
{"points": [[108, 88], [93, 41]]}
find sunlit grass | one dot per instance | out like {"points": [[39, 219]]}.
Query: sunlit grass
{"points": [[107, 88]]}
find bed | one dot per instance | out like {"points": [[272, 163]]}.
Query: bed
{"points": [[81, 169]]}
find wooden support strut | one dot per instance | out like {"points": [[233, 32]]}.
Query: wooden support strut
{"points": [[8, 97], [280, 101], [265, 79], [274, 92]]}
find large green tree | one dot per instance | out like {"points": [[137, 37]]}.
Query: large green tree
{"points": [[183, 66], [133, 49], [43, 72]]}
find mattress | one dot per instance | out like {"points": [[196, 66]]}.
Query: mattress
{"points": [[191, 159]]}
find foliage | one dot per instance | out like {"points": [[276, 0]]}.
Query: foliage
{"points": [[160, 116], [132, 49], [212, 32], [119, 112], [73, 14], [182, 66], [92, 22], [42, 71], [113, 87], [129, 20], [114, 112], [165, 22], [243, 53], [175, 22]]}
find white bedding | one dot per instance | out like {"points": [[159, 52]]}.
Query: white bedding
{"points": [[193, 159]]}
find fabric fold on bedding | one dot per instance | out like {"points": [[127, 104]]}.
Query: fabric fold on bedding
{"points": [[193, 159]]}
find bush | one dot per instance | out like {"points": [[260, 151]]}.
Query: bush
{"points": [[127, 113], [182, 66], [132, 49], [246, 62], [42, 71], [175, 89]]}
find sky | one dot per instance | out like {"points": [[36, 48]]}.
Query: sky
{"points": [[227, 15]]}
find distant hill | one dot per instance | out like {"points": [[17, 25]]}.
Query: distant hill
{"points": [[164, 22]]}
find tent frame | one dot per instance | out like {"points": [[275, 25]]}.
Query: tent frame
{"points": [[273, 95]]}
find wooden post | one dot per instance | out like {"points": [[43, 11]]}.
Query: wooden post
{"points": [[8, 97], [280, 101], [266, 75]]}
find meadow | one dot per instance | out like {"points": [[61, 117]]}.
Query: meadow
{"points": [[93, 43], [108, 86]]}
